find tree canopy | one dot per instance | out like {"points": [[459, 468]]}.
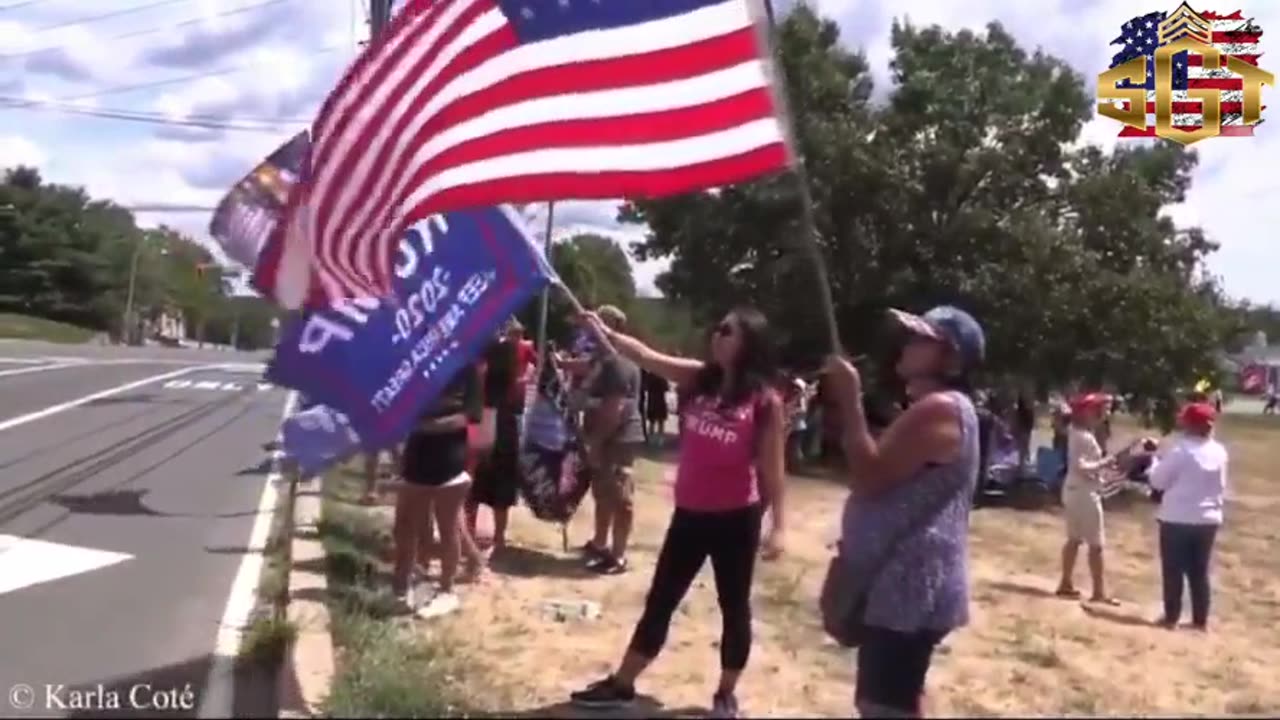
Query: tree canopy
{"points": [[66, 256], [596, 269], [967, 186]]}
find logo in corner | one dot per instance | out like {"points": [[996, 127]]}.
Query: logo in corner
{"points": [[1185, 76]]}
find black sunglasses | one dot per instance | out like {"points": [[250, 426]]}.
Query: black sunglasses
{"points": [[724, 329]]}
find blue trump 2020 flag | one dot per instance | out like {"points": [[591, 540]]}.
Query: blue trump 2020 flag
{"points": [[458, 277]]}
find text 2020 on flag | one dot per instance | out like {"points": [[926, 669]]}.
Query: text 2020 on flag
{"points": [[467, 103]]}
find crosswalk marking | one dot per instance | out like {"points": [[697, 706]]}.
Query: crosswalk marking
{"points": [[214, 385], [25, 562]]}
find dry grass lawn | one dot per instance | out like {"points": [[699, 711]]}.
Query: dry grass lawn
{"points": [[1025, 653]]}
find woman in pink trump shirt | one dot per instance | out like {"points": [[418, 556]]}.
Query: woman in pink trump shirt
{"points": [[730, 470]]}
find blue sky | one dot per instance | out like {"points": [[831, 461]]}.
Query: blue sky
{"points": [[265, 65]]}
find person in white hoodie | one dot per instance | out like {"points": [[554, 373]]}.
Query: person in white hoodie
{"points": [[1192, 474]]}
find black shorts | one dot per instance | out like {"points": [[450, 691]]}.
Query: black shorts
{"points": [[497, 479], [891, 671], [435, 459]]}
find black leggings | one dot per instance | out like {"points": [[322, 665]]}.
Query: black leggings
{"points": [[731, 539], [1184, 554], [891, 671]]}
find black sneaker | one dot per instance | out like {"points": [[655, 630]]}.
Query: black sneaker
{"points": [[591, 552], [608, 565], [606, 693], [724, 705]]}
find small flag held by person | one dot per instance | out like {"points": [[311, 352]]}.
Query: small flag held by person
{"points": [[246, 216], [553, 477], [465, 103]]}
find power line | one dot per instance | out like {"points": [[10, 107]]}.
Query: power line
{"points": [[14, 103], [152, 30], [17, 5], [182, 79], [107, 16], [153, 119]]}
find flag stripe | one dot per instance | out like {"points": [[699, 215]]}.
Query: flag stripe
{"points": [[646, 182], [1150, 131], [1235, 37], [635, 129], [1196, 60], [1231, 83], [559, 55], [450, 27], [365, 78], [587, 161], [585, 90], [1194, 107], [471, 42], [603, 172], [599, 172]]}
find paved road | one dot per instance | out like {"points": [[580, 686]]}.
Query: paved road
{"points": [[163, 480], [20, 349]]}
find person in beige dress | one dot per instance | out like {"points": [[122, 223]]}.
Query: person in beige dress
{"points": [[1087, 467]]}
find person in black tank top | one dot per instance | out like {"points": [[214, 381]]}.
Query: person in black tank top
{"points": [[435, 486], [498, 470]]}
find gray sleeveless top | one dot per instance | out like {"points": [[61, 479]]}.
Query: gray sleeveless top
{"points": [[925, 583]]}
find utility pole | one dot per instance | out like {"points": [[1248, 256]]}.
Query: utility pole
{"points": [[127, 325], [379, 16], [545, 303]]}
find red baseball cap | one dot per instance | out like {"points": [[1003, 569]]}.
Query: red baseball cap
{"points": [[1198, 414], [1089, 401]]}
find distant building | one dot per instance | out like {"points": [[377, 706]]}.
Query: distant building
{"points": [[167, 327], [1259, 365]]}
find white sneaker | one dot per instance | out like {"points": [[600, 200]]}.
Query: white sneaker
{"points": [[442, 604]]}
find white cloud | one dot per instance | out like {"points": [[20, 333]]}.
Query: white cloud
{"points": [[17, 150]]}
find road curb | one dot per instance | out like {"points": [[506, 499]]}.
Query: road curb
{"points": [[308, 668]]}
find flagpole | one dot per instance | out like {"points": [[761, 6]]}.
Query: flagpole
{"points": [[544, 307], [809, 239]]}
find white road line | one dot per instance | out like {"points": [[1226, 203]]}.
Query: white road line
{"points": [[234, 367], [55, 409], [252, 368], [36, 369], [219, 688]]}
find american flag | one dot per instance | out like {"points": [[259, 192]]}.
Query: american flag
{"points": [[1232, 35], [467, 103]]}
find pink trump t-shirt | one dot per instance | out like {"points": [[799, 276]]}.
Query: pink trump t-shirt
{"points": [[717, 465]]}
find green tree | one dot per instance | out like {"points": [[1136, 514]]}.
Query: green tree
{"points": [[68, 257], [963, 188], [596, 270], [51, 249]]}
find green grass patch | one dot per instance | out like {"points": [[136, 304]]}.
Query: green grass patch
{"points": [[385, 667], [26, 327], [270, 634], [267, 639]]}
